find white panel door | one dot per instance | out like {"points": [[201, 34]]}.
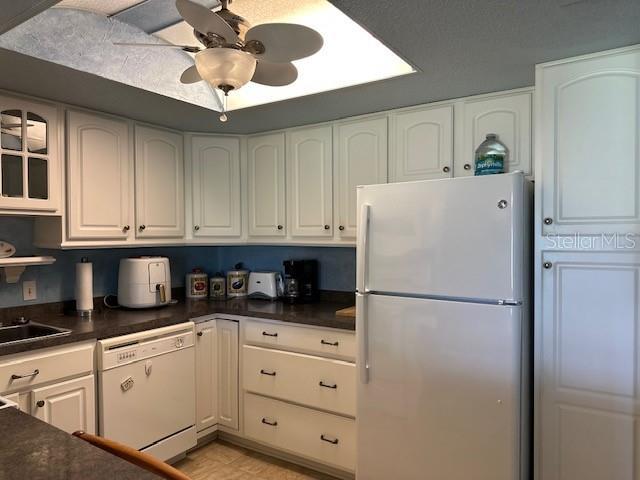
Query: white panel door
{"points": [[309, 177], [206, 375], [360, 159], [589, 129], [421, 144], [69, 405], [507, 116], [159, 183], [228, 373], [590, 364], [99, 177], [216, 186], [443, 394], [266, 191]]}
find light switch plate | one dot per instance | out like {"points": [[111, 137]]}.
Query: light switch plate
{"points": [[29, 290]]}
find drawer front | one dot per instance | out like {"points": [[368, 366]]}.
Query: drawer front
{"points": [[24, 371], [329, 342], [323, 437], [311, 381]]}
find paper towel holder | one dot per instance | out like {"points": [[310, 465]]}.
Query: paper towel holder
{"points": [[86, 313]]}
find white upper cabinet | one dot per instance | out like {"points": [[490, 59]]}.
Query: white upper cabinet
{"points": [[99, 177], [421, 144], [266, 191], [159, 183], [360, 154], [509, 117], [309, 182], [215, 167], [29, 156], [589, 131]]}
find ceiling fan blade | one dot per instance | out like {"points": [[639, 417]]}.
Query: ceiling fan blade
{"points": [[190, 75], [275, 74], [204, 20], [186, 48], [284, 42]]}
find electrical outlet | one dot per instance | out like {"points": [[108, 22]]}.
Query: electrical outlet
{"points": [[29, 290]]}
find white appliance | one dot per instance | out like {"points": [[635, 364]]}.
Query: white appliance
{"points": [[147, 389], [266, 285], [443, 329], [144, 282]]}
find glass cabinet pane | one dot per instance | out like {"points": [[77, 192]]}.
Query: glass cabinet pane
{"points": [[12, 175], [11, 127], [36, 133], [38, 178]]}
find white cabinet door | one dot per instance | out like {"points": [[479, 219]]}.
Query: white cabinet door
{"points": [[309, 178], [69, 405], [589, 133], [360, 159], [29, 156], [206, 375], [266, 192], [159, 183], [590, 360], [228, 373], [421, 144], [99, 177], [509, 117], [216, 186]]}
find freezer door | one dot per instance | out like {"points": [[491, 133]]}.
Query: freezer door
{"points": [[442, 397], [460, 238]]}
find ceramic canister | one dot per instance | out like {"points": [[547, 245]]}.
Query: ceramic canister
{"points": [[197, 283], [237, 283], [217, 287]]}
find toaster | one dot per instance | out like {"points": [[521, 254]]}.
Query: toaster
{"points": [[265, 285], [144, 282]]}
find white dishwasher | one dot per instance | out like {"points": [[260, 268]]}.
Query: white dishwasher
{"points": [[147, 390]]}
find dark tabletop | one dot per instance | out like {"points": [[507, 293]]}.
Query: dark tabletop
{"points": [[35, 450], [114, 322]]}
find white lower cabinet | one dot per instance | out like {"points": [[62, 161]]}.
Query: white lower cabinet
{"points": [[228, 373]]}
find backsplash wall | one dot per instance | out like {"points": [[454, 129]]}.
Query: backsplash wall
{"points": [[56, 282]]}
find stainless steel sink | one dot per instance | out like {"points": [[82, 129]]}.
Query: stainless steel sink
{"points": [[29, 332]]}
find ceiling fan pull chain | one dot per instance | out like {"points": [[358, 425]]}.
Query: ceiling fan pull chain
{"points": [[223, 114]]}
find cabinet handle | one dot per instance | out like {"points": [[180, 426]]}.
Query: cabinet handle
{"points": [[547, 265], [40, 403], [333, 441], [280, 227], [199, 334], [267, 334], [327, 227], [273, 423], [467, 166], [126, 228], [142, 227], [196, 227], [328, 385], [28, 375], [267, 372], [332, 344], [548, 221], [341, 228], [445, 169]]}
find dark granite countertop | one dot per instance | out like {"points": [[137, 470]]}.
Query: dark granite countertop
{"points": [[107, 323], [35, 450]]}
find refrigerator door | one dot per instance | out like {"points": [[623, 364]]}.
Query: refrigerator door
{"points": [[452, 238], [441, 398]]}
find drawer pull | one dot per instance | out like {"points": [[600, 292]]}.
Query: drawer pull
{"points": [[333, 441], [270, 423], [328, 385], [267, 372], [40, 403], [332, 344], [28, 375], [267, 334]]}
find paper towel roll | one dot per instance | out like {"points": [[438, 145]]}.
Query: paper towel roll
{"points": [[84, 286]]}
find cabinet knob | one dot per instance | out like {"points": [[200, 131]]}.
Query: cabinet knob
{"points": [[199, 334], [467, 166], [142, 227], [40, 403], [196, 227], [548, 221], [126, 228], [280, 227], [341, 228], [445, 169], [547, 265], [327, 227]]}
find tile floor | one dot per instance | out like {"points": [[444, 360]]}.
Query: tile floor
{"points": [[223, 461]]}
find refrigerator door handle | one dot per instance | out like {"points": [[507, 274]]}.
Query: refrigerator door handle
{"points": [[362, 247], [362, 360]]}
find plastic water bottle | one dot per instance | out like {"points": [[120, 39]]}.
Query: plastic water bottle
{"points": [[491, 156]]}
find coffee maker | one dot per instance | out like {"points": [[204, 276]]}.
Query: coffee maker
{"points": [[300, 281]]}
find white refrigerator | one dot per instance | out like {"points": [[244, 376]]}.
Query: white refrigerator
{"points": [[444, 330]]}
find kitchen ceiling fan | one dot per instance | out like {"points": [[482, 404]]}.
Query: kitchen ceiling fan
{"points": [[235, 53]]}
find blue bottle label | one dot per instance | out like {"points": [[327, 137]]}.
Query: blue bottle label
{"points": [[489, 164]]}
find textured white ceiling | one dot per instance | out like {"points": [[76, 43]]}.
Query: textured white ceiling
{"points": [[105, 7]]}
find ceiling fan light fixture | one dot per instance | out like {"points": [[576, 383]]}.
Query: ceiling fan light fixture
{"points": [[225, 68]]}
